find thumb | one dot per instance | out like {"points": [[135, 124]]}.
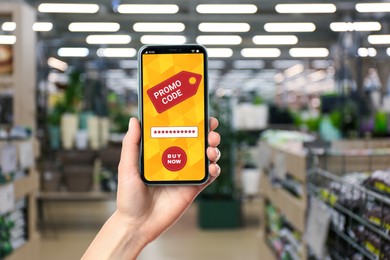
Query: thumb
{"points": [[130, 148]]}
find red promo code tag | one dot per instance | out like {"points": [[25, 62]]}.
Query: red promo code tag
{"points": [[174, 90]]}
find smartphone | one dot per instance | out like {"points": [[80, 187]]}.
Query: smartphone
{"points": [[173, 111]]}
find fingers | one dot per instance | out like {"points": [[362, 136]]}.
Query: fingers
{"points": [[214, 170], [213, 154], [214, 139], [130, 148], [213, 122]]}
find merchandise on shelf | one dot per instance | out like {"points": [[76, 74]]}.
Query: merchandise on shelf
{"points": [[13, 229], [281, 236]]}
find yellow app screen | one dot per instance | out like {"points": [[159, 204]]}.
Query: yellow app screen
{"points": [[173, 117]]}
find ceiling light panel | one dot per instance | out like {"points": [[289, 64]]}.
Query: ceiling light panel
{"points": [[275, 39], [42, 26], [72, 52], [260, 52], [163, 39], [226, 9], [159, 27], [219, 52], [372, 7], [148, 9], [367, 52], [309, 52], [289, 27], [248, 64], [93, 27], [108, 39], [68, 8], [116, 52], [7, 39], [224, 27], [219, 39], [379, 39], [305, 8], [355, 26], [8, 26]]}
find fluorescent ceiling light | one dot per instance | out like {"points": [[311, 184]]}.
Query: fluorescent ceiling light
{"points": [[275, 39], [305, 8], [73, 52], [224, 27], [7, 39], [355, 26], [93, 27], [226, 9], [8, 26], [57, 64], [290, 27], [248, 64], [108, 39], [42, 26], [219, 39], [367, 52], [373, 7], [308, 52], [68, 8], [260, 52], [159, 27], [379, 39], [219, 52], [116, 52], [148, 9], [163, 39]]}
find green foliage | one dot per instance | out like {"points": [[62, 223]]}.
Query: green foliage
{"points": [[223, 187]]}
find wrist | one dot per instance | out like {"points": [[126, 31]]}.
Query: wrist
{"points": [[118, 239]]}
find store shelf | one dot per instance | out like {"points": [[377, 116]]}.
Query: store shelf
{"points": [[77, 196], [266, 251], [27, 251], [26, 185], [294, 209], [320, 180], [6, 81]]}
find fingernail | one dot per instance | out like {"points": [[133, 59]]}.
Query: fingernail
{"points": [[218, 153], [130, 122], [219, 170]]}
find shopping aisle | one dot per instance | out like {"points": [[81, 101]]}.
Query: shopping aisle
{"points": [[71, 227]]}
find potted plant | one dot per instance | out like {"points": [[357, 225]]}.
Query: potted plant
{"points": [[219, 205]]}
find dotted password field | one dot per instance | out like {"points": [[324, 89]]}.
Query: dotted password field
{"points": [[174, 132]]}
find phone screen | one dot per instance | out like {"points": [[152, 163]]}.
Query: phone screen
{"points": [[174, 114]]}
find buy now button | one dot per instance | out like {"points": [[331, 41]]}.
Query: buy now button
{"points": [[174, 90]]}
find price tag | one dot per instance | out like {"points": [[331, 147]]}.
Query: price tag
{"points": [[280, 166], [7, 198], [8, 158], [26, 154], [174, 90], [317, 227]]}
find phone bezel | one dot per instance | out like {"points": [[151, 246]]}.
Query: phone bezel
{"points": [[171, 49]]}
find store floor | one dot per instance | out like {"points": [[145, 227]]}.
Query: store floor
{"points": [[70, 227]]}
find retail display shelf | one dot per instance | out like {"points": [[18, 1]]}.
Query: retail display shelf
{"points": [[26, 185], [6, 81], [355, 204], [76, 196], [264, 249], [27, 251], [291, 207]]}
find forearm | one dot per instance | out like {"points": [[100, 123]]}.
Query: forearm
{"points": [[116, 240]]}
